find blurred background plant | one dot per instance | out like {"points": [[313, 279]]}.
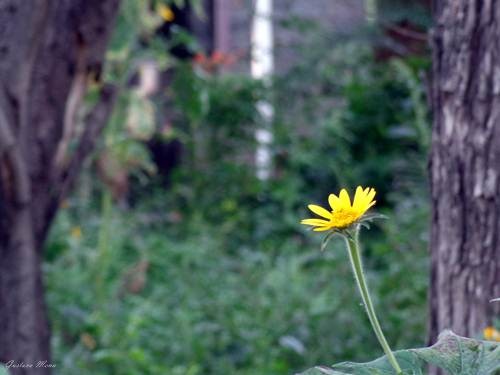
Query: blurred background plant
{"points": [[172, 257]]}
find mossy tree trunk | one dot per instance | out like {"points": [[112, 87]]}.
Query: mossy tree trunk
{"points": [[465, 167], [48, 51]]}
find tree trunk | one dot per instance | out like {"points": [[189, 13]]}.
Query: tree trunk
{"points": [[48, 50], [24, 326], [465, 167]]}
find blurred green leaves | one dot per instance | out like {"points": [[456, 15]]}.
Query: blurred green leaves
{"points": [[194, 301], [214, 274]]}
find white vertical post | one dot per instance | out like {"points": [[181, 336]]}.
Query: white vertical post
{"points": [[371, 11], [261, 66]]}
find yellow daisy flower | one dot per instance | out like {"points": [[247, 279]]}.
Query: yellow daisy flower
{"points": [[166, 12], [76, 232], [343, 213], [491, 334]]}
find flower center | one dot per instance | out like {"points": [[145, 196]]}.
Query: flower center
{"points": [[344, 217]]}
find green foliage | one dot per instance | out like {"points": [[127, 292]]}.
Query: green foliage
{"points": [[454, 354], [215, 275], [379, 115], [135, 29], [405, 11], [209, 305], [217, 123]]}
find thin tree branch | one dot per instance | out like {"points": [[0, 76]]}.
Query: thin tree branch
{"points": [[28, 65], [7, 140], [65, 177], [94, 123], [16, 171], [422, 37], [73, 104]]}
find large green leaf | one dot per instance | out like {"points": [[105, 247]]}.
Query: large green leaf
{"points": [[409, 362], [321, 370], [462, 355], [455, 354]]}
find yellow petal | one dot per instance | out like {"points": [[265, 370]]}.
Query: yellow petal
{"points": [[318, 210], [344, 197], [321, 229], [371, 195], [359, 198], [334, 201], [366, 207], [316, 222]]}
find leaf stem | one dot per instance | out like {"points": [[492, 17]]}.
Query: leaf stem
{"points": [[357, 267]]}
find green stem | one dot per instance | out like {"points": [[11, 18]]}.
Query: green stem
{"points": [[357, 266], [103, 244]]}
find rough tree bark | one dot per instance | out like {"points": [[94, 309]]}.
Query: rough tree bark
{"points": [[48, 50], [465, 166]]}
